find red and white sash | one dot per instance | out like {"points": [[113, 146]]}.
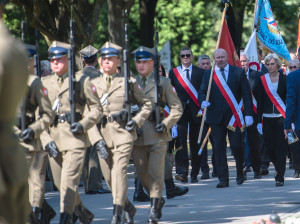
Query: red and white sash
{"points": [[272, 94], [254, 103], [186, 84], [230, 99]]}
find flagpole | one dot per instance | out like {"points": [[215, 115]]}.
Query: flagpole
{"points": [[255, 8], [211, 75]]}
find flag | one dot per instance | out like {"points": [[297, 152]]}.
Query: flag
{"points": [[298, 42], [268, 32], [251, 52], [227, 44]]}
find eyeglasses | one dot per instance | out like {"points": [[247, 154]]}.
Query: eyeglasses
{"points": [[291, 67], [185, 55]]}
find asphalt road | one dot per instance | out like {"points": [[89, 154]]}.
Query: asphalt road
{"points": [[204, 203]]}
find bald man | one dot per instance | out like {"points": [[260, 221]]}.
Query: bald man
{"points": [[229, 87]]}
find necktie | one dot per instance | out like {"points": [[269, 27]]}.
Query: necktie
{"points": [[188, 74], [108, 81], [223, 73], [143, 82], [59, 81]]}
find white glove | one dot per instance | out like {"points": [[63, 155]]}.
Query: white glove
{"points": [[259, 128], [174, 131], [248, 120], [293, 126], [204, 104]]}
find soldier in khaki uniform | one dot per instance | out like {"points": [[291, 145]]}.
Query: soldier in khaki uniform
{"points": [[35, 123], [118, 133], [14, 204], [150, 148], [71, 139], [92, 175]]}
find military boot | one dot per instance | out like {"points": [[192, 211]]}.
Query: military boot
{"points": [[153, 214], [34, 216], [172, 190], [116, 219], [65, 218], [139, 194], [85, 216], [129, 212], [47, 213], [160, 206]]}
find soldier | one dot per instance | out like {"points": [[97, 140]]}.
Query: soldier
{"points": [[150, 148], [71, 139], [118, 134], [92, 175], [14, 205], [36, 99]]}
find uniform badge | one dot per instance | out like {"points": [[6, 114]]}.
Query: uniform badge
{"points": [[45, 91], [94, 89], [174, 90]]}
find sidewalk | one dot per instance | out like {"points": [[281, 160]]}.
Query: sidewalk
{"points": [[204, 203]]}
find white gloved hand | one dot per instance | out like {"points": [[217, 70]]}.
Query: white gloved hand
{"points": [[248, 120], [174, 131], [293, 126], [259, 128], [204, 104]]}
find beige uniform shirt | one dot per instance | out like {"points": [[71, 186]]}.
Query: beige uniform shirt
{"points": [[169, 97], [59, 98], [113, 101]]}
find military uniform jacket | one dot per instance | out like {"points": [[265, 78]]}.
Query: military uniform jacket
{"points": [[37, 97], [113, 101], [169, 97], [59, 98]]}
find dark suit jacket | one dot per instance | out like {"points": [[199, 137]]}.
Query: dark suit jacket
{"points": [[264, 104], [219, 111], [293, 100], [264, 69], [254, 78], [197, 74]]}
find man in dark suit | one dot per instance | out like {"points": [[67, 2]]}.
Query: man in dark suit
{"points": [[229, 85], [187, 80], [252, 136]]}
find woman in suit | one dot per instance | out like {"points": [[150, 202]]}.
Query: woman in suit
{"points": [[271, 102]]}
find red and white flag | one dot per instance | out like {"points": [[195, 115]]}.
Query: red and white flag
{"points": [[251, 52]]}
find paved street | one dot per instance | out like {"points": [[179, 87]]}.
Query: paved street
{"points": [[204, 203]]}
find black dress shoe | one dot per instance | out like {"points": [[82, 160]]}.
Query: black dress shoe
{"points": [[296, 174], [181, 177], [279, 183], [194, 180], [222, 184], [240, 180], [257, 175], [264, 172], [98, 191], [205, 176]]}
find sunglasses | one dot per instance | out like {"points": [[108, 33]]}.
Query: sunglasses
{"points": [[291, 67], [185, 55]]}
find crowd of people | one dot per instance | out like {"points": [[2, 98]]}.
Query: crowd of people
{"points": [[118, 119]]}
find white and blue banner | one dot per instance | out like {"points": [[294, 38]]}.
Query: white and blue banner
{"points": [[268, 32]]}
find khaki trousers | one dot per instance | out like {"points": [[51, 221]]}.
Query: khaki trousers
{"points": [[37, 178], [114, 170], [66, 170], [149, 162]]}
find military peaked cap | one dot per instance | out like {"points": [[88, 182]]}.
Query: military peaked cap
{"points": [[109, 50], [58, 49], [144, 53]]}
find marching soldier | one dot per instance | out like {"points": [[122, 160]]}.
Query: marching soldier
{"points": [[71, 139], [92, 175], [14, 205], [118, 134], [150, 148], [36, 99]]}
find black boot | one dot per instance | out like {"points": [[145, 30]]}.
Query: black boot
{"points": [[65, 218], [161, 205], [153, 214], [172, 190], [47, 213], [129, 212], [116, 219], [34, 216], [139, 194], [85, 216]]}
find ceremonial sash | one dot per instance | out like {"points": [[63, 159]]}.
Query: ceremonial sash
{"points": [[233, 122], [231, 101], [272, 94], [254, 103], [186, 84]]}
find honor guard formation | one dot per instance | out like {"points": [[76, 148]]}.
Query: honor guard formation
{"points": [[95, 121]]}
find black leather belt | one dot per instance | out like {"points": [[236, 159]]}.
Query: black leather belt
{"points": [[62, 118], [118, 117]]}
